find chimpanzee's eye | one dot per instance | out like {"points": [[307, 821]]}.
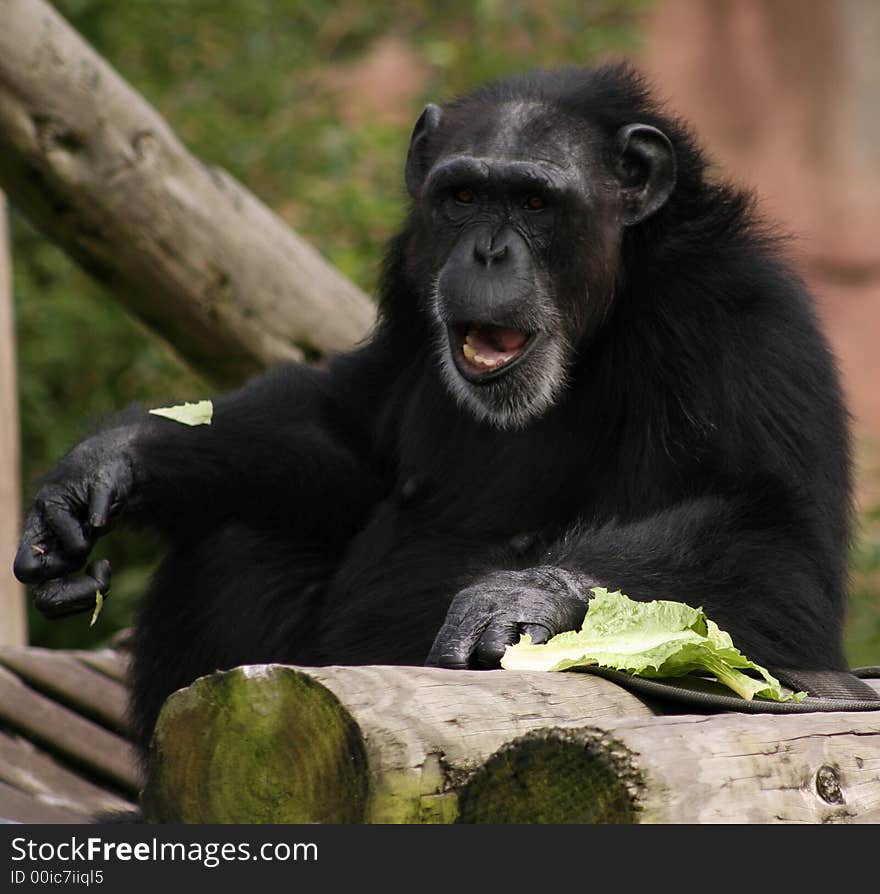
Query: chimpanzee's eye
{"points": [[464, 196], [536, 203]]}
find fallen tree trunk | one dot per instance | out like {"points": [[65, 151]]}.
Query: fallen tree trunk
{"points": [[183, 246], [278, 744]]}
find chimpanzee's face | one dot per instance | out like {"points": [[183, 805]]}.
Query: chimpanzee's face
{"points": [[521, 219]]}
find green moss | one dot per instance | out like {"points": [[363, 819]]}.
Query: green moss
{"points": [[554, 776], [264, 744]]}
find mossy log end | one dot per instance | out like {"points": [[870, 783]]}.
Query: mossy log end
{"points": [[185, 247], [279, 744], [227, 752]]}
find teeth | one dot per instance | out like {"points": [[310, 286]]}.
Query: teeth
{"points": [[473, 357]]}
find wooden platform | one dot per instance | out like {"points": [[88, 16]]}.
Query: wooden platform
{"points": [[65, 755]]}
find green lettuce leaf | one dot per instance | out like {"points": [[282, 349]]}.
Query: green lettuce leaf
{"points": [[649, 639], [199, 413], [99, 604]]}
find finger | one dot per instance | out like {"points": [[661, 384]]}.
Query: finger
{"points": [[492, 644], [68, 529], [69, 596], [100, 501], [455, 642], [449, 650], [100, 572], [38, 557]]}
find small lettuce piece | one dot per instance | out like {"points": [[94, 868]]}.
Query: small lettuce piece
{"points": [[199, 413], [99, 604], [648, 639]]}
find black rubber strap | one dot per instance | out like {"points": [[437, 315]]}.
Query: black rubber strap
{"points": [[698, 692], [827, 684]]}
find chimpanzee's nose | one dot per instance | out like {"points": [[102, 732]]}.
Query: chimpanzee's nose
{"points": [[489, 251]]}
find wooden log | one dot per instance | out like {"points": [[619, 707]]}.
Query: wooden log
{"points": [[762, 768], [269, 743], [276, 744], [247, 773], [185, 247]]}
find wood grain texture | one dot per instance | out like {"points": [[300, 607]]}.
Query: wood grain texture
{"points": [[428, 729], [226, 751], [762, 768]]}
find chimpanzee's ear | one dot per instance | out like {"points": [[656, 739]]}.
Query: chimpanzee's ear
{"points": [[645, 169], [428, 122]]}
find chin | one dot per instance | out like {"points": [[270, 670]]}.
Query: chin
{"points": [[501, 376]]}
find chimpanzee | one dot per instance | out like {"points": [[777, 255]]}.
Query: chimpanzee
{"points": [[592, 366]]}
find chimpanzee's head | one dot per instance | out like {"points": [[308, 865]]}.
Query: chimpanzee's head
{"points": [[521, 193]]}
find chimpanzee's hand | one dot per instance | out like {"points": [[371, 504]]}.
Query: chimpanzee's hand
{"points": [[73, 508], [491, 614]]}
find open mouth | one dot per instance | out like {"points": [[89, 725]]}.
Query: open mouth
{"points": [[483, 351]]}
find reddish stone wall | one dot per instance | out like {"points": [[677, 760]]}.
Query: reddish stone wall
{"points": [[785, 94]]}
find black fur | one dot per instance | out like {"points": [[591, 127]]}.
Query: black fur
{"points": [[697, 449]]}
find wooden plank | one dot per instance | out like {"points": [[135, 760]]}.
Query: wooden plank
{"points": [[68, 680], [67, 734], [110, 662], [31, 771], [20, 807]]}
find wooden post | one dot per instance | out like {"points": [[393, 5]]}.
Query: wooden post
{"points": [[13, 618]]}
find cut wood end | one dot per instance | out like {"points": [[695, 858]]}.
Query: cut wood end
{"points": [[258, 744], [555, 776]]}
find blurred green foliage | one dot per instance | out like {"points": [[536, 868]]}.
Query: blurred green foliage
{"points": [[271, 91], [863, 615], [262, 88]]}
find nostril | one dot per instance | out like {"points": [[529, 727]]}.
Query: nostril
{"points": [[489, 255], [497, 254]]}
